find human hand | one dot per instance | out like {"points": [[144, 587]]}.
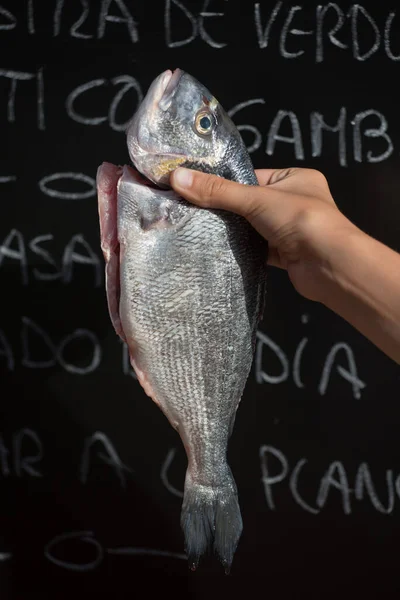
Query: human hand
{"points": [[291, 208]]}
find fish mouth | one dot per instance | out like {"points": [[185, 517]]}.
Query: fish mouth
{"points": [[142, 148], [131, 173], [169, 81]]}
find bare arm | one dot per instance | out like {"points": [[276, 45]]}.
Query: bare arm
{"points": [[363, 287], [327, 257]]}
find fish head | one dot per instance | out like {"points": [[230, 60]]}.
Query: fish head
{"points": [[179, 123]]}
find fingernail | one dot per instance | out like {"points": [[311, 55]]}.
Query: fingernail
{"points": [[183, 177]]}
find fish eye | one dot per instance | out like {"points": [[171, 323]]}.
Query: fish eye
{"points": [[204, 122]]}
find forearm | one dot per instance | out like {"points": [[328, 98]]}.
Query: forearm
{"points": [[363, 287]]}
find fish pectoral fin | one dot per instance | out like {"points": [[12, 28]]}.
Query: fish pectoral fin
{"points": [[146, 207], [154, 217]]}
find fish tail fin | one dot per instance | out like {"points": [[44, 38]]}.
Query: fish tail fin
{"points": [[211, 519]]}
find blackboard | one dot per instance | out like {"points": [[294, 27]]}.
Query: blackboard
{"points": [[91, 473]]}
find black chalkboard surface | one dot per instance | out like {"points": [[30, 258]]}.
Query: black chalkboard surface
{"points": [[91, 473]]}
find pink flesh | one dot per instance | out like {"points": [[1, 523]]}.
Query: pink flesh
{"points": [[108, 176], [107, 179]]}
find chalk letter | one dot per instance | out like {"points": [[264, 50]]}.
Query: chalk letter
{"points": [[387, 32], [293, 484], [57, 17], [130, 83], [35, 247], [80, 334], [350, 376], [340, 484], [321, 12], [285, 30], [31, 18], [68, 195], [355, 10], [204, 35], [295, 139], [12, 21], [318, 124], [126, 18], [261, 376], [40, 100], [364, 481], [69, 103], [111, 458], [263, 36], [266, 478], [18, 254], [298, 356], [74, 29], [372, 133], [167, 24], [28, 324], [15, 76], [164, 474], [257, 135], [70, 257], [4, 468], [83, 536], [297, 362], [24, 463], [5, 350]]}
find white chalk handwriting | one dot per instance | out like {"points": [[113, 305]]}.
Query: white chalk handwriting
{"points": [[22, 455], [335, 484], [88, 537], [99, 552], [369, 129], [369, 138], [111, 458], [127, 82], [108, 13], [164, 473], [266, 348], [39, 350], [333, 27], [17, 252], [54, 193], [35, 348], [15, 77]]}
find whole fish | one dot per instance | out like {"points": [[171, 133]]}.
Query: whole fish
{"points": [[185, 289]]}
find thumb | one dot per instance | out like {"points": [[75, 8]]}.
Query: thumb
{"points": [[211, 191]]}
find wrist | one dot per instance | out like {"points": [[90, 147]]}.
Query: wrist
{"points": [[342, 253], [362, 286], [325, 253]]}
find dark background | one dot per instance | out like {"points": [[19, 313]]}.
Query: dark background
{"points": [[49, 411]]}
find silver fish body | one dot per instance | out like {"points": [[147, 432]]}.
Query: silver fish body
{"points": [[185, 289]]}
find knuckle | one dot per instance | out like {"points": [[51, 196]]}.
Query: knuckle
{"points": [[281, 174], [213, 187], [317, 177], [251, 207]]}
